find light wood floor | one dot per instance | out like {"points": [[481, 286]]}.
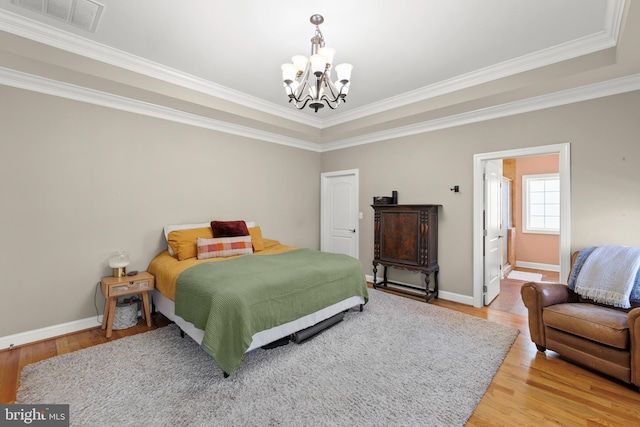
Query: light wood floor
{"points": [[509, 298], [530, 388]]}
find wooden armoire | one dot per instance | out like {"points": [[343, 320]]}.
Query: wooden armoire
{"points": [[406, 237]]}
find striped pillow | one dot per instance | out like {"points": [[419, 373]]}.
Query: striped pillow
{"points": [[224, 247]]}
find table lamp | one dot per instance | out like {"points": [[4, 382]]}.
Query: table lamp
{"points": [[119, 261]]}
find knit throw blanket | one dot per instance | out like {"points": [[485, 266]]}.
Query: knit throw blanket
{"points": [[606, 274]]}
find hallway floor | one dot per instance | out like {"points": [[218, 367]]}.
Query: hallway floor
{"points": [[509, 299]]}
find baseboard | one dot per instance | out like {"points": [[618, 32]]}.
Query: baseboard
{"points": [[538, 266], [459, 298], [28, 337], [449, 296]]}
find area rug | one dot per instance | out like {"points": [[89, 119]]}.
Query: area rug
{"points": [[399, 362], [525, 276]]}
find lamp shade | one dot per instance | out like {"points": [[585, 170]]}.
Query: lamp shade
{"points": [[300, 62], [344, 72], [328, 54], [318, 64], [288, 73], [118, 261]]}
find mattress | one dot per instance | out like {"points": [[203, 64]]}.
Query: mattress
{"points": [[167, 307], [236, 304]]}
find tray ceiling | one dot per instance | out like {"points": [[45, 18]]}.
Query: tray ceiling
{"points": [[404, 52]]}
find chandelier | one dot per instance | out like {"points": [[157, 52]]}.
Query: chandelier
{"points": [[308, 80]]}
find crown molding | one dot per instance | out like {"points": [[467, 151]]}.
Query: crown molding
{"points": [[485, 75], [42, 33], [51, 36], [39, 84], [584, 93], [43, 85], [605, 39]]}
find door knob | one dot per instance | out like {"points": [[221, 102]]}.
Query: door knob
{"points": [[353, 230]]}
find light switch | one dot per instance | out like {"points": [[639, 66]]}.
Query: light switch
{"points": [[360, 215]]}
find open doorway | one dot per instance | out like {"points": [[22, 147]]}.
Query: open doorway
{"points": [[564, 246], [530, 227]]}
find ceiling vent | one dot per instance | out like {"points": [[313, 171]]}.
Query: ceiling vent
{"points": [[83, 14]]}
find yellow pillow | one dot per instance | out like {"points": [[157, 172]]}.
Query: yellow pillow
{"points": [[256, 238], [184, 243]]}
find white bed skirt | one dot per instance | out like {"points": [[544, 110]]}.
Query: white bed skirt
{"points": [[167, 307]]}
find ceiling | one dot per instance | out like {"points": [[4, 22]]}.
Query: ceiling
{"points": [[415, 61]]}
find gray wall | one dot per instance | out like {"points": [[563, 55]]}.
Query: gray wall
{"points": [[79, 181], [605, 176]]}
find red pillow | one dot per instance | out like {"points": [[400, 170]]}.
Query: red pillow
{"points": [[229, 228]]}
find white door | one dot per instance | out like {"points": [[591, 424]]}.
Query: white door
{"points": [[339, 212], [492, 229], [506, 222]]}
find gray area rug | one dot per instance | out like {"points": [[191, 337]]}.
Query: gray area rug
{"points": [[400, 362]]}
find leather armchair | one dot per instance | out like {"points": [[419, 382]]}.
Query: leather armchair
{"points": [[600, 337]]}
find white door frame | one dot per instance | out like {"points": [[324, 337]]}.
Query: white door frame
{"points": [[565, 208], [323, 220]]}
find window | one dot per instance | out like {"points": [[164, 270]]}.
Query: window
{"points": [[541, 203]]}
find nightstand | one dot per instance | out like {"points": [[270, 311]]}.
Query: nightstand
{"points": [[114, 287]]}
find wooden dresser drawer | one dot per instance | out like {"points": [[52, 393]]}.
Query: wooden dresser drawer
{"points": [[113, 287], [124, 288]]}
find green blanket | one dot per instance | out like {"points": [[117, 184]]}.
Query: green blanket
{"points": [[233, 299]]}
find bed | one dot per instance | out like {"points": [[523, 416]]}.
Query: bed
{"points": [[252, 291]]}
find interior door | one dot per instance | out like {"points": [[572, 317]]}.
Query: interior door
{"points": [[492, 229], [339, 207], [506, 223]]}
